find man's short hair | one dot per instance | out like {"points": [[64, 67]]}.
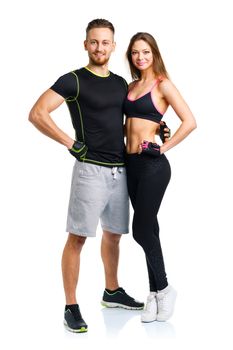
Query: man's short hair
{"points": [[100, 23]]}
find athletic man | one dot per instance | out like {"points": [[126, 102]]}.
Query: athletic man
{"points": [[94, 96]]}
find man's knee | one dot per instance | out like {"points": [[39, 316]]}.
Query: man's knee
{"points": [[111, 238], [76, 241]]}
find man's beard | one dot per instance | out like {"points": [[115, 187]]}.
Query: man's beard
{"points": [[98, 61]]}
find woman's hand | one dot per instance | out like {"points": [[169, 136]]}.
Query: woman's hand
{"points": [[164, 132], [151, 148]]}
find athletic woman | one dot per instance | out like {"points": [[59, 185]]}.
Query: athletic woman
{"points": [[148, 170]]}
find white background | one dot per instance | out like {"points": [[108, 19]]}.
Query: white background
{"points": [[41, 40]]}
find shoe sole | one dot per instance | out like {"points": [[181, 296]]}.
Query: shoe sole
{"points": [[148, 321], [80, 330], [115, 305]]}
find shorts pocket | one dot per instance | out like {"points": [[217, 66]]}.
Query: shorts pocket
{"points": [[87, 170]]}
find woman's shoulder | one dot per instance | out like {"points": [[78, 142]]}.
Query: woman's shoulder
{"points": [[162, 80], [165, 84]]}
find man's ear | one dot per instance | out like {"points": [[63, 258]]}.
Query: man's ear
{"points": [[85, 44], [113, 46]]}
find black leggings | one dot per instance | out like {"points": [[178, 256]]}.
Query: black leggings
{"points": [[147, 179]]}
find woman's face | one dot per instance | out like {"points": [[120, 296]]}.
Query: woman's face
{"points": [[141, 55]]}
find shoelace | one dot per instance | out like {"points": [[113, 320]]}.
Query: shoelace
{"points": [[125, 294], [77, 314], [162, 301], [149, 301]]}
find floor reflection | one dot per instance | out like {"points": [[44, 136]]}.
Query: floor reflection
{"points": [[159, 329], [115, 320]]}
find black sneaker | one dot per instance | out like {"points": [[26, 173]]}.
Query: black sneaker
{"points": [[73, 320], [119, 298]]}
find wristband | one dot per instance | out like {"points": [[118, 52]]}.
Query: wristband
{"points": [[78, 150], [150, 148]]}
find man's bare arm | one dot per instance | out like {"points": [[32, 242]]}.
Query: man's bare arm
{"points": [[40, 117]]}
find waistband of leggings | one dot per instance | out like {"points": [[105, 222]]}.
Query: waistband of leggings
{"points": [[138, 156], [132, 155]]}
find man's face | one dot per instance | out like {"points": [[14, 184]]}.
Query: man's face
{"points": [[99, 44]]}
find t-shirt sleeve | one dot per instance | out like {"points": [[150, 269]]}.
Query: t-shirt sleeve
{"points": [[126, 84], [66, 86]]}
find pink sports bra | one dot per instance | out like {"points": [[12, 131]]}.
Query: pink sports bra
{"points": [[142, 107]]}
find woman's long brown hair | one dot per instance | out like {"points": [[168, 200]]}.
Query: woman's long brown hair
{"points": [[158, 65]]}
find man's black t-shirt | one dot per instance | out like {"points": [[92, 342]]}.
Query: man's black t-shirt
{"points": [[96, 108]]}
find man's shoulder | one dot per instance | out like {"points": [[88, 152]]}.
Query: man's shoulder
{"points": [[77, 71], [69, 74], [120, 78], [117, 76]]}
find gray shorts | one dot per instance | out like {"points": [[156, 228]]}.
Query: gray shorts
{"points": [[98, 192]]}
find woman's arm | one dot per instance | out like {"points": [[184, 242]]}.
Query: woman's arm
{"points": [[176, 101]]}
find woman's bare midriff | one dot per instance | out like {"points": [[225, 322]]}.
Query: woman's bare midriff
{"points": [[137, 130]]}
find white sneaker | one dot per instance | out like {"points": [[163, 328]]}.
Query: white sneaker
{"points": [[150, 312], [166, 302]]}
